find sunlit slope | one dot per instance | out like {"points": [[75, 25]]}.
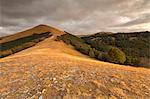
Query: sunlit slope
{"points": [[51, 69], [38, 29], [49, 47]]}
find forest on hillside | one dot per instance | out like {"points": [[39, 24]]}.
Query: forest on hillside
{"points": [[120, 48], [20, 44]]}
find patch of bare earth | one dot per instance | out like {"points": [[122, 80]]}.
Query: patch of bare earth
{"points": [[54, 70]]}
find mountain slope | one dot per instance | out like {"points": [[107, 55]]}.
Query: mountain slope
{"points": [[136, 45], [52, 69], [20, 41], [37, 29]]}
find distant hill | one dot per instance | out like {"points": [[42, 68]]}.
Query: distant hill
{"points": [[99, 33], [22, 40], [37, 29], [135, 44]]}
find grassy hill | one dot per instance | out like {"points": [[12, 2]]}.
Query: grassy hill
{"points": [[37, 29], [22, 40], [121, 48], [54, 69], [17, 45]]}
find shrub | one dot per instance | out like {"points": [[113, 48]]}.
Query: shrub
{"points": [[42, 38], [145, 62], [36, 40], [104, 48], [91, 53], [23, 46], [67, 41], [134, 61], [105, 57], [27, 45], [83, 48], [96, 52], [100, 56], [16, 49], [115, 55]]}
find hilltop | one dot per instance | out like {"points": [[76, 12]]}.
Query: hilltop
{"points": [[28, 38], [52, 69], [37, 29]]}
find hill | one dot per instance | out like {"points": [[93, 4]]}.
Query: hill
{"points": [[135, 45], [37, 29], [20, 41], [52, 69]]}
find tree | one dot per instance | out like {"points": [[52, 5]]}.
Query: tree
{"points": [[96, 52], [105, 57], [91, 53], [99, 56], [17, 49], [135, 61], [83, 48], [116, 56]]}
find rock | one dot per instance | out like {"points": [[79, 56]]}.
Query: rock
{"points": [[54, 79], [44, 90], [40, 97], [118, 92], [122, 83]]}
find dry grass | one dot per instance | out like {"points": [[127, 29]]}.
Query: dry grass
{"points": [[52, 69], [38, 29]]}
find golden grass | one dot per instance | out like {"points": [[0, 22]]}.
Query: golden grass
{"points": [[38, 29]]}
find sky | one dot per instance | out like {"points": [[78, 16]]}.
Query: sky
{"points": [[75, 16]]}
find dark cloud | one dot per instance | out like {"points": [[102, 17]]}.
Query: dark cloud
{"points": [[77, 16]]}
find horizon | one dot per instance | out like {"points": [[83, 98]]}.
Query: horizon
{"points": [[77, 17], [1, 36]]}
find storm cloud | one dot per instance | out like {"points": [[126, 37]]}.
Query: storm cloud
{"points": [[75, 16]]}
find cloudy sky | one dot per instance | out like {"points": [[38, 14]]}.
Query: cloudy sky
{"points": [[75, 16]]}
